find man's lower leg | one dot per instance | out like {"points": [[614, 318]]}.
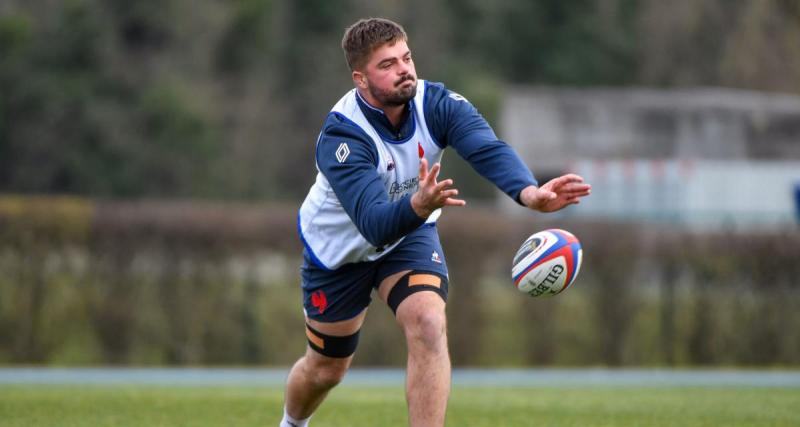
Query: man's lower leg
{"points": [[315, 374], [308, 384], [428, 377]]}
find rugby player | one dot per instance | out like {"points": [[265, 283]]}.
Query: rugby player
{"points": [[369, 221]]}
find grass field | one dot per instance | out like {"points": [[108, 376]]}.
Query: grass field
{"points": [[349, 406]]}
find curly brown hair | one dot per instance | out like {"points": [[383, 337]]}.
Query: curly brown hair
{"points": [[366, 35]]}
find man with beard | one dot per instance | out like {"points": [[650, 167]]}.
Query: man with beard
{"points": [[369, 220]]}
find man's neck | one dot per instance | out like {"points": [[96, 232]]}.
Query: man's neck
{"points": [[393, 112]]}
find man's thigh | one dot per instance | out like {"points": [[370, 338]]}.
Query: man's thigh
{"points": [[419, 251], [331, 296], [419, 256]]}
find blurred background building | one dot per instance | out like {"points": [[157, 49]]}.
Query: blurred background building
{"points": [[702, 157]]}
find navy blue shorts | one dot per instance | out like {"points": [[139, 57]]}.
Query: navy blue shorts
{"points": [[341, 294]]}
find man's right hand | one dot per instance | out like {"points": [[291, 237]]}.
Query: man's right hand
{"points": [[433, 195]]}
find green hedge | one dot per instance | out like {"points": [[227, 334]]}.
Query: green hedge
{"points": [[165, 282]]}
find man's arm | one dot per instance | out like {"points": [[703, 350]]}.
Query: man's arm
{"points": [[454, 121]]}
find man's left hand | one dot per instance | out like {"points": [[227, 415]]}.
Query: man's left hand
{"points": [[556, 194]]}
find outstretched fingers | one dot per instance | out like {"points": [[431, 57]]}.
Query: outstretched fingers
{"points": [[449, 199], [432, 195], [575, 187], [434, 173], [423, 170], [441, 186], [447, 194], [570, 186], [569, 179], [454, 202], [443, 193]]}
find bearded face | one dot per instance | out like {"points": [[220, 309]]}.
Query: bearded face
{"points": [[389, 79], [403, 91]]}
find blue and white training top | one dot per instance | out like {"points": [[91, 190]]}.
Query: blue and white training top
{"points": [[359, 208]]}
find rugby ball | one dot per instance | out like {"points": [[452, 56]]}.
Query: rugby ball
{"points": [[547, 263]]}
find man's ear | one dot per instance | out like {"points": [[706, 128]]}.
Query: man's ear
{"points": [[359, 79]]}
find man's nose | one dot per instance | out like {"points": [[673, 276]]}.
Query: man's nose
{"points": [[403, 68]]}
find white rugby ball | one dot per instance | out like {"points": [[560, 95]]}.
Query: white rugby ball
{"points": [[547, 263]]}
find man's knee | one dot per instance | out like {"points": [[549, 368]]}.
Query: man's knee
{"points": [[329, 377], [326, 373], [426, 327]]}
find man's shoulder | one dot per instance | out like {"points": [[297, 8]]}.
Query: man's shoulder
{"points": [[438, 96], [339, 125], [434, 90], [445, 110], [340, 137]]}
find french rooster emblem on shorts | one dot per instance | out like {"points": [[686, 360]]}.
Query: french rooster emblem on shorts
{"points": [[319, 300]]}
